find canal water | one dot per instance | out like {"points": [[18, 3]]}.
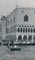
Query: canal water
{"points": [[26, 53]]}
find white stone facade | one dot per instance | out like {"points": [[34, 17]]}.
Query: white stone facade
{"points": [[21, 25]]}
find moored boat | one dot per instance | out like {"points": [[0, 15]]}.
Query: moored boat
{"points": [[15, 48]]}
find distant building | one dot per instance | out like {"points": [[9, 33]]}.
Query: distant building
{"points": [[0, 29], [3, 22], [21, 25]]}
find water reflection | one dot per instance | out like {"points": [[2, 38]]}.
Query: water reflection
{"points": [[26, 53], [23, 50]]}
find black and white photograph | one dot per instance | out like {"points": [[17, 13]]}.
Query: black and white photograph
{"points": [[17, 29]]}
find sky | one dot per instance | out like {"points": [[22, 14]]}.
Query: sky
{"points": [[7, 6], [26, 3]]}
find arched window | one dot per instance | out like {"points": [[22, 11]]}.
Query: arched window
{"points": [[34, 30], [31, 29], [23, 29], [28, 29], [25, 38], [25, 18], [13, 19], [34, 38], [19, 37], [18, 29], [30, 38]]}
